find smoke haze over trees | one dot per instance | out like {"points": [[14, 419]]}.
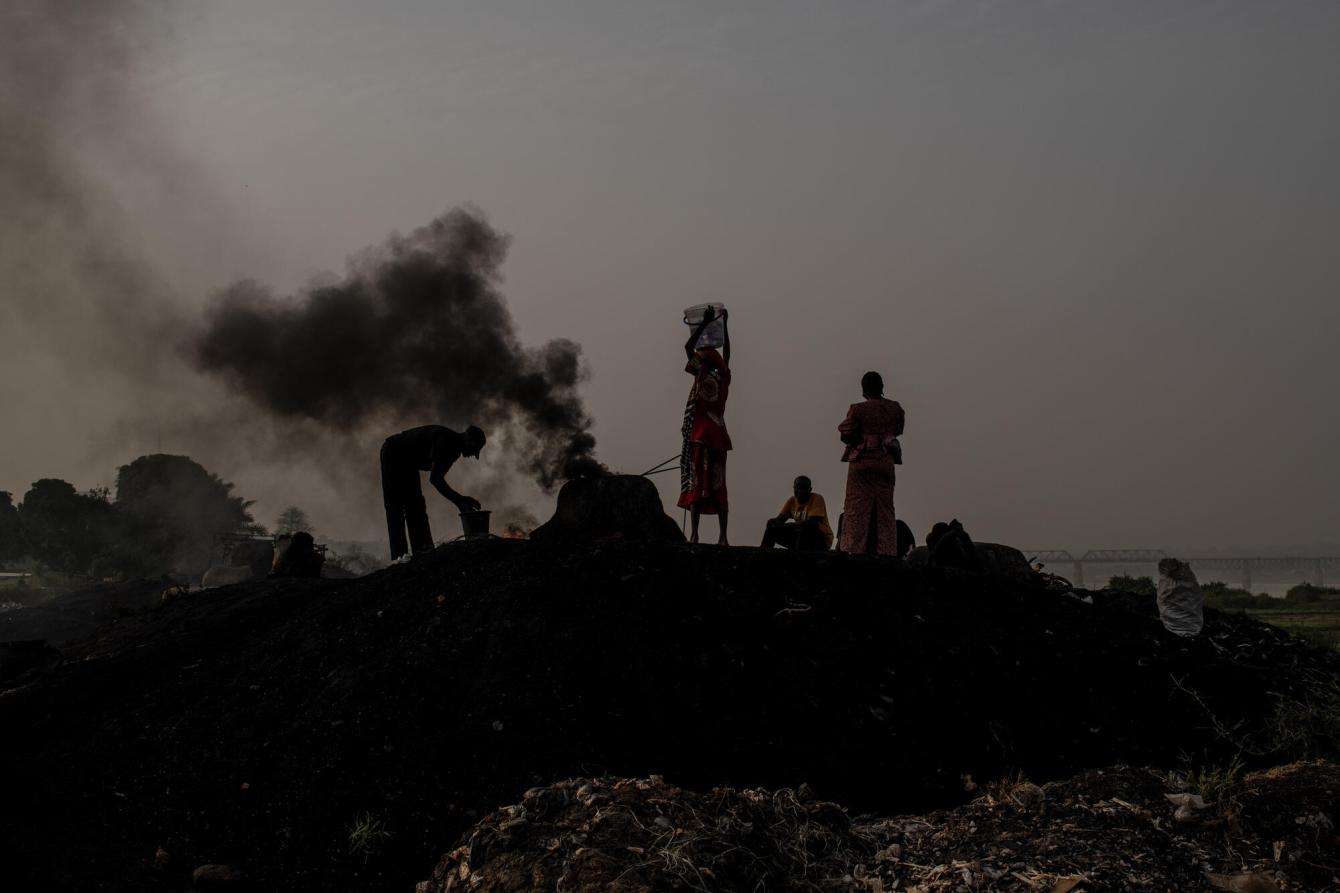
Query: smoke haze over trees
{"points": [[179, 507], [167, 512]]}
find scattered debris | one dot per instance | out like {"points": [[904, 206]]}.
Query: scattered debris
{"points": [[1106, 829], [1111, 829], [646, 834], [1188, 805]]}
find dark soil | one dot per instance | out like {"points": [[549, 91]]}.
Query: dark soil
{"points": [[77, 614], [1112, 829], [258, 725]]}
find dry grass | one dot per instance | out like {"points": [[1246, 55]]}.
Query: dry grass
{"points": [[1318, 623], [368, 833], [1212, 782], [698, 846], [1309, 725]]}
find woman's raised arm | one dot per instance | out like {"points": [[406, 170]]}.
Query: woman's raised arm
{"points": [[692, 343]]}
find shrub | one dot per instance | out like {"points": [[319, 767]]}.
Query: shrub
{"points": [[1137, 585], [1307, 593], [1222, 596], [1210, 782]]}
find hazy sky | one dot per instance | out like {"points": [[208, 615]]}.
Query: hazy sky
{"points": [[1092, 247]]}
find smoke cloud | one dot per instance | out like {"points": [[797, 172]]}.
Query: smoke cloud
{"points": [[416, 331], [74, 277], [110, 237]]}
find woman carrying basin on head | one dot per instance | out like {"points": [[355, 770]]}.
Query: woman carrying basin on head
{"points": [[702, 463], [870, 432]]}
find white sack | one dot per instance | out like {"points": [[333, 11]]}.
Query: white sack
{"points": [[1181, 604]]}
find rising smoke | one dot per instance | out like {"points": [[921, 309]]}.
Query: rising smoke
{"points": [[74, 277], [416, 331], [109, 235]]}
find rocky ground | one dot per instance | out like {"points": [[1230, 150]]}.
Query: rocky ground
{"points": [[339, 734]]}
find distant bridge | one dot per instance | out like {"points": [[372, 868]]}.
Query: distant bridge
{"points": [[1311, 569]]}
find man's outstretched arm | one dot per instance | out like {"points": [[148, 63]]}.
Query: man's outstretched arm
{"points": [[438, 478]]}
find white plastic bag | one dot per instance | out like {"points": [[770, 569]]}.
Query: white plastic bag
{"points": [[1181, 604]]}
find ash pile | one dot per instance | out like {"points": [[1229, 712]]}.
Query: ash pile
{"points": [[342, 732]]}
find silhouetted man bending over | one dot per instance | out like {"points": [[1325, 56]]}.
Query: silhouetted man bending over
{"points": [[430, 448]]}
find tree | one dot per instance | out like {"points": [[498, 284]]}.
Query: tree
{"points": [[1219, 594], [12, 544], [1137, 585], [78, 533], [180, 507], [291, 520], [1307, 593]]}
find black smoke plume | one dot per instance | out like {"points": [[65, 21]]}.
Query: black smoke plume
{"points": [[416, 332]]}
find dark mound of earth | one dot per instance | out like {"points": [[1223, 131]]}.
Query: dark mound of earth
{"points": [[1112, 829], [76, 614], [280, 726], [608, 506]]}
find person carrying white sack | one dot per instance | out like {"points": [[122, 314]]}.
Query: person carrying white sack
{"points": [[1181, 604]]}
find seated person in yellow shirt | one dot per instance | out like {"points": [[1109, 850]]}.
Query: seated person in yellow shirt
{"points": [[802, 524]]}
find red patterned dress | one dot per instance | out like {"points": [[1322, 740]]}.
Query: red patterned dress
{"points": [[868, 523], [702, 463]]}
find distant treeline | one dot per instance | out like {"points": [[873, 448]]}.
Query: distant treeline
{"points": [[1221, 595], [163, 518]]}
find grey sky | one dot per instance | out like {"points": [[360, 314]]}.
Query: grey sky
{"points": [[1092, 247]]}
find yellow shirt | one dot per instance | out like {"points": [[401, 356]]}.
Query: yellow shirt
{"points": [[814, 508]]}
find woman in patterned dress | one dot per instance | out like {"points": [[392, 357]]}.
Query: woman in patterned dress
{"points": [[702, 462], [869, 431]]}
